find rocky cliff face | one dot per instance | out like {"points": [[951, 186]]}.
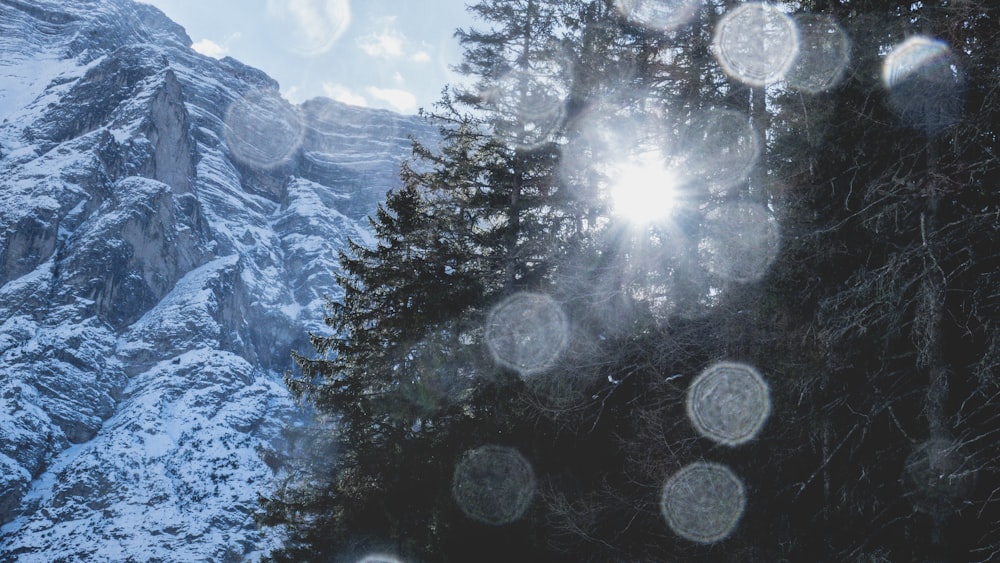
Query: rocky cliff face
{"points": [[168, 230]]}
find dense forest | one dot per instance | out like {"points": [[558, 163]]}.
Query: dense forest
{"points": [[686, 280]]}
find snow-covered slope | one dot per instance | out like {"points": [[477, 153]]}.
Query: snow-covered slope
{"points": [[168, 230]]}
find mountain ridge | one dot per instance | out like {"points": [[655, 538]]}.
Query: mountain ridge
{"points": [[158, 263]]}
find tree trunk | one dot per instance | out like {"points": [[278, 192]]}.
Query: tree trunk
{"points": [[931, 313]]}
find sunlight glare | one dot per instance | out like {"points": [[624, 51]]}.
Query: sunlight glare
{"points": [[644, 190]]}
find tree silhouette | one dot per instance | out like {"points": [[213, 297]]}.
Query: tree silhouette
{"points": [[512, 369]]}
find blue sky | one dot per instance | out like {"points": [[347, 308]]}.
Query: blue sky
{"points": [[392, 54]]}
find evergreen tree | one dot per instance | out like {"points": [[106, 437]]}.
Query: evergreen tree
{"points": [[391, 372], [873, 327], [879, 203]]}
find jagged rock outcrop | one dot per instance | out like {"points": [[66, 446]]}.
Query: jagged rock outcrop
{"points": [[158, 263]]}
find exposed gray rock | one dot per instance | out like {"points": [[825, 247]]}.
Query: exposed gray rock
{"points": [[154, 280], [29, 242], [168, 132]]}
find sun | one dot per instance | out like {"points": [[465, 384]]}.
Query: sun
{"points": [[643, 190]]}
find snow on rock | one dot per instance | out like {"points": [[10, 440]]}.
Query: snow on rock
{"points": [[175, 472], [153, 285]]}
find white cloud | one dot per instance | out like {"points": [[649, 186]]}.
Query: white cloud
{"points": [[343, 94], [421, 57], [387, 44], [292, 94], [399, 100], [210, 48]]}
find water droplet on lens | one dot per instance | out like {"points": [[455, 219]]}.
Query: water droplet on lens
{"points": [[493, 484], [527, 332], [822, 56], [728, 403], [662, 15], [313, 26], [756, 43], [720, 150], [531, 108], [740, 242], [262, 129], [379, 558], [938, 476], [703, 502], [335, 133], [926, 88]]}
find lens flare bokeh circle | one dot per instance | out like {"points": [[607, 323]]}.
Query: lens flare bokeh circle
{"points": [[823, 54], [719, 150], [262, 130], [527, 332], [310, 27], [926, 87], [756, 43], [703, 502], [660, 15], [530, 108], [739, 242], [493, 484], [729, 403], [938, 476]]}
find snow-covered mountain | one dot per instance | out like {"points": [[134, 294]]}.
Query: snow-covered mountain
{"points": [[168, 229]]}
